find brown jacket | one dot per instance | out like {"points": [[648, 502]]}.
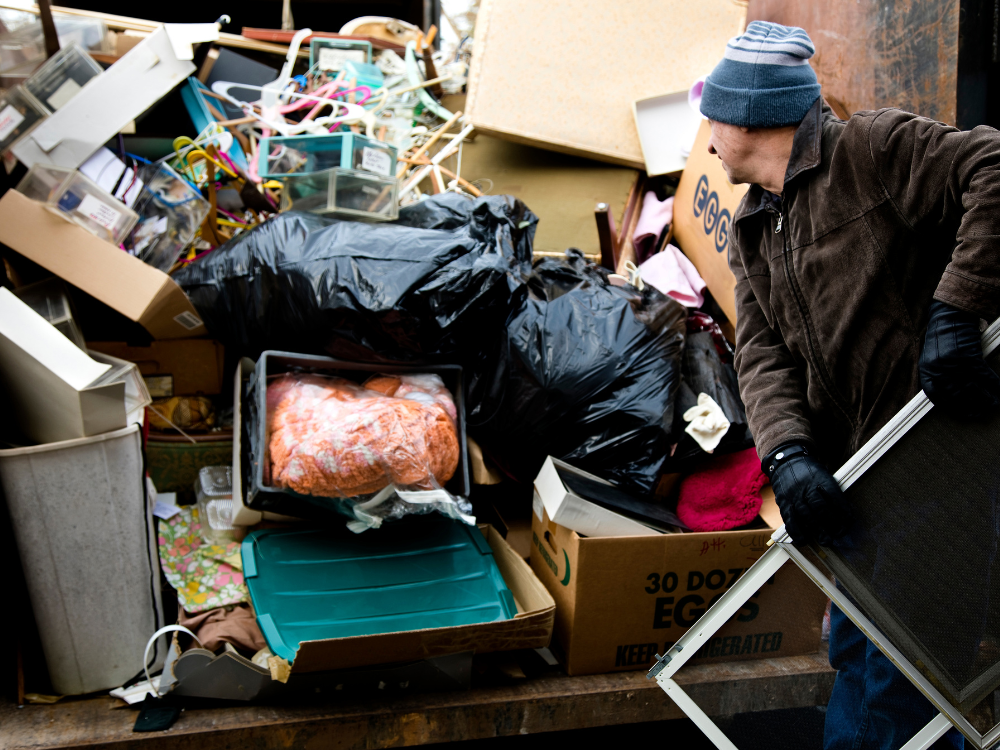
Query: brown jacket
{"points": [[878, 216]]}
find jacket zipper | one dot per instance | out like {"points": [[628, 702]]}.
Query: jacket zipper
{"points": [[793, 285]]}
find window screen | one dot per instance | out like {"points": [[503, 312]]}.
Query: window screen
{"points": [[921, 559]]}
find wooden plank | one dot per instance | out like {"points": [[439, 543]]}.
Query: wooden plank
{"points": [[871, 54], [126, 23], [544, 704], [279, 36]]}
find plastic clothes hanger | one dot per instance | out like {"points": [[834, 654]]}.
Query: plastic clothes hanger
{"points": [[343, 112]]}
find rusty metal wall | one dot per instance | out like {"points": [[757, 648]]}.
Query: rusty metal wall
{"points": [[879, 53]]}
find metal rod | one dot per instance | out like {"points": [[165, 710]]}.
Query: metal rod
{"points": [[935, 730], [693, 711]]}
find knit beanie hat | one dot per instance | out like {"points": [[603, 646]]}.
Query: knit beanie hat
{"points": [[764, 80]]}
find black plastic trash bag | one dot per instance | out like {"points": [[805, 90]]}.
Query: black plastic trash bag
{"points": [[590, 378], [435, 285]]}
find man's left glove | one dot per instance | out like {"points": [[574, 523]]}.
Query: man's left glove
{"points": [[953, 373], [810, 500]]}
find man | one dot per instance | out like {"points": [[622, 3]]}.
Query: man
{"points": [[865, 254]]}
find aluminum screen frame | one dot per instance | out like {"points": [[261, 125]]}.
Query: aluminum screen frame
{"points": [[782, 551]]}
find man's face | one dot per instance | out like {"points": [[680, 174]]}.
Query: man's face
{"points": [[734, 146]]}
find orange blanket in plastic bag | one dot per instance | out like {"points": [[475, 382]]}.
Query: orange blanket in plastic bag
{"points": [[333, 438]]}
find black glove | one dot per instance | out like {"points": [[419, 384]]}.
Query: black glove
{"points": [[953, 373], [812, 505]]}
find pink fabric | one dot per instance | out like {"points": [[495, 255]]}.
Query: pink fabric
{"points": [[654, 217], [673, 274], [724, 496]]}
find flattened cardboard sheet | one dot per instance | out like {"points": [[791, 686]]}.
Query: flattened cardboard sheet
{"points": [[564, 76]]}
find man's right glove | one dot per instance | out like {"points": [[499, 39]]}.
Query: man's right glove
{"points": [[953, 373], [810, 500]]}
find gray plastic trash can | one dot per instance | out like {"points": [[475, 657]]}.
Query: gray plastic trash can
{"points": [[88, 547]]}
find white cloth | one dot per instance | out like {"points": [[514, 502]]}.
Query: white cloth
{"points": [[708, 423]]}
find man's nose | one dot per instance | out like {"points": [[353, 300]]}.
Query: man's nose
{"points": [[711, 147]]}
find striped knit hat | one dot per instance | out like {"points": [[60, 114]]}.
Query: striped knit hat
{"points": [[764, 80]]}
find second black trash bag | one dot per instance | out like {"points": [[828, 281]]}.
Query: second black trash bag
{"points": [[591, 377], [432, 285]]}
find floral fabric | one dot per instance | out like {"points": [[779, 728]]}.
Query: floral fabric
{"points": [[206, 576]]}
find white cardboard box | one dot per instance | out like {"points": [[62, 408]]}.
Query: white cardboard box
{"points": [[144, 75], [575, 513], [51, 381]]}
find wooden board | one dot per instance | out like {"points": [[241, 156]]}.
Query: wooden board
{"points": [[564, 76], [562, 190], [552, 702], [872, 54]]}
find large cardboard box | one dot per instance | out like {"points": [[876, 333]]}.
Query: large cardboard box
{"points": [[531, 627], [704, 207], [123, 282], [621, 600], [183, 367]]}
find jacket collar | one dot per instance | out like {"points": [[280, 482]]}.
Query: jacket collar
{"points": [[807, 153], [807, 145]]}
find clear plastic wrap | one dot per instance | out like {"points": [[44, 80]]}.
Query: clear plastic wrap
{"points": [[386, 448]]}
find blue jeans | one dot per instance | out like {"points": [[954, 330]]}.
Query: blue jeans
{"points": [[873, 706]]}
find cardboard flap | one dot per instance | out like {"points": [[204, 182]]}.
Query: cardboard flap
{"points": [[704, 207], [138, 291]]}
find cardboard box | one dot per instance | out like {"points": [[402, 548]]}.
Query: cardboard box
{"points": [[568, 509], [593, 59], [621, 600], [183, 367], [667, 126], [531, 627], [123, 282], [704, 207]]}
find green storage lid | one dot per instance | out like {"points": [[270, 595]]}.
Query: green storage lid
{"points": [[316, 584]]}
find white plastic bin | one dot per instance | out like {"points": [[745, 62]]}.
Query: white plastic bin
{"points": [[88, 547]]}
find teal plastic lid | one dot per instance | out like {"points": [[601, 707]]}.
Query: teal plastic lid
{"points": [[427, 572]]}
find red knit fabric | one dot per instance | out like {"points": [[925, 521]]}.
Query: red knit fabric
{"points": [[724, 496]]}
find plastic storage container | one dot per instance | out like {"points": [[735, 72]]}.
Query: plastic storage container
{"points": [[310, 585], [88, 545], [22, 47], [20, 112], [329, 55], [50, 299], [62, 76], [214, 492], [250, 454], [348, 192], [362, 74], [281, 156], [170, 212], [78, 198]]}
